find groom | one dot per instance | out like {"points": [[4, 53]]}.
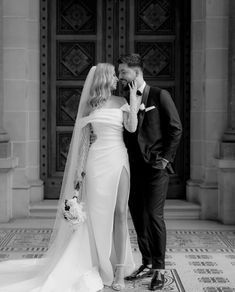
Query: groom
{"points": [[151, 149]]}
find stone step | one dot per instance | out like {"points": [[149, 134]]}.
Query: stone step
{"points": [[180, 209], [43, 209], [174, 209]]}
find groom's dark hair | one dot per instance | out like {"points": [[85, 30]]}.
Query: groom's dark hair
{"points": [[132, 60]]}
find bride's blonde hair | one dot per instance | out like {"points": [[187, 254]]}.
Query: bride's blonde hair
{"points": [[101, 87]]}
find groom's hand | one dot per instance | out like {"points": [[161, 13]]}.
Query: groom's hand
{"points": [[160, 164]]}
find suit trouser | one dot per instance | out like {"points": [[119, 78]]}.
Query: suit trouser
{"points": [[146, 204]]}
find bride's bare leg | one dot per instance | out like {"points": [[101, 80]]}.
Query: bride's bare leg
{"points": [[120, 227]]}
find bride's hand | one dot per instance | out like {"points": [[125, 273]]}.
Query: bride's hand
{"points": [[93, 137], [133, 88], [132, 120], [133, 96]]}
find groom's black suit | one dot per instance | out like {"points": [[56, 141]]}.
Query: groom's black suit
{"points": [[157, 136]]}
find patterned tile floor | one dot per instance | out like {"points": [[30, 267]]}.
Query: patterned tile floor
{"points": [[200, 254]]}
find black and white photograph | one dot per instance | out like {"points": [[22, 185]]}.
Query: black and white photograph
{"points": [[117, 145]]}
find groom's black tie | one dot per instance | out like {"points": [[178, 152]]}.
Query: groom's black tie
{"points": [[138, 92]]}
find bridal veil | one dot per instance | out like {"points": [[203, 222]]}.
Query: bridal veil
{"points": [[25, 275]]}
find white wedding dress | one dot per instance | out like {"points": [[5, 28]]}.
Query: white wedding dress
{"points": [[88, 259]]}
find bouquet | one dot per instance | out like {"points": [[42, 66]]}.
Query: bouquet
{"points": [[73, 209]]}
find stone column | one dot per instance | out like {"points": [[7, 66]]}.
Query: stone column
{"points": [[7, 163], [209, 82], [226, 163], [21, 51]]}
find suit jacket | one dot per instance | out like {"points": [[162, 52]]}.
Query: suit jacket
{"points": [[159, 129]]}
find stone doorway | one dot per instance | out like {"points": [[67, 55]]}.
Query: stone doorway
{"points": [[76, 35]]}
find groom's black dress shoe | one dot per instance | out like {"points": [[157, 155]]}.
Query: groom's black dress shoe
{"points": [[142, 272], [157, 281]]}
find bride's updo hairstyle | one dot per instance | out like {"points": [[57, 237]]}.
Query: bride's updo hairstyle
{"points": [[101, 87]]}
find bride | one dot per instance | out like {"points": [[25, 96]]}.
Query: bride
{"points": [[97, 252]]}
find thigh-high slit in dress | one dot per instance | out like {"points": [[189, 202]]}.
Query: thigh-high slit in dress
{"points": [[106, 159]]}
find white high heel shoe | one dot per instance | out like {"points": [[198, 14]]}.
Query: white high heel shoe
{"points": [[118, 282]]}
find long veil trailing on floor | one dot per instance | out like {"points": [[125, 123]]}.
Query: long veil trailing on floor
{"points": [[73, 169], [34, 275]]}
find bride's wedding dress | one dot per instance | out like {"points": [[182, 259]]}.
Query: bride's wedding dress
{"points": [[88, 258], [106, 159]]}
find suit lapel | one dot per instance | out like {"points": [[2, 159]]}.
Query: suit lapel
{"points": [[144, 101]]}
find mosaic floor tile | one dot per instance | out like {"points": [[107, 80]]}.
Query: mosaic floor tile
{"points": [[200, 240], [25, 240], [172, 283], [196, 260], [205, 272]]}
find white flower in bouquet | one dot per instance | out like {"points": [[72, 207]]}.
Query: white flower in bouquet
{"points": [[73, 211]]}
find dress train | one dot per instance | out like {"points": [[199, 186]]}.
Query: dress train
{"points": [[88, 259]]}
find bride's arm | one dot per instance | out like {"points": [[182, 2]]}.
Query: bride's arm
{"points": [[130, 117], [130, 120]]}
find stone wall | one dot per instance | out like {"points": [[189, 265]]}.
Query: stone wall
{"points": [[21, 97]]}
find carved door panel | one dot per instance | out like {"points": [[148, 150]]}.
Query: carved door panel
{"points": [[76, 34], [73, 41]]}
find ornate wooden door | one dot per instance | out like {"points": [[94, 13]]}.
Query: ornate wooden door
{"points": [[76, 34]]}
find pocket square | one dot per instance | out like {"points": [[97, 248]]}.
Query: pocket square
{"points": [[149, 108]]}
